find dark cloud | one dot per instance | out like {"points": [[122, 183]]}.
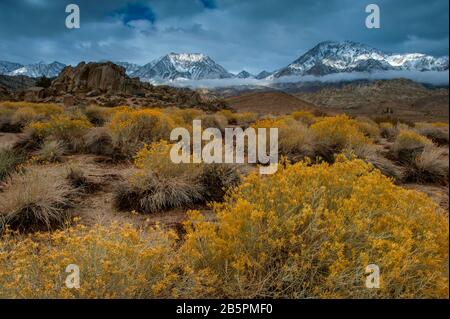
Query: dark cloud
{"points": [[239, 34]]}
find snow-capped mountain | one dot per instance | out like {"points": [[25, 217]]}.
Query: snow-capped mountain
{"points": [[7, 67], [244, 75], [263, 74], [347, 56], [173, 66], [130, 68], [39, 69]]}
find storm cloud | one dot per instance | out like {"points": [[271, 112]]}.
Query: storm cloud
{"points": [[238, 34]]}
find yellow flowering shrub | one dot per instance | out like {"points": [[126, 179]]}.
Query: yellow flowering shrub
{"points": [[368, 127], [100, 114], [118, 261], [338, 132], [310, 232], [243, 118], [16, 115], [304, 116], [46, 109], [67, 129], [131, 129], [155, 158]]}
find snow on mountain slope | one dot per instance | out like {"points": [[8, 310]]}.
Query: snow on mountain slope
{"points": [[192, 66], [7, 67], [347, 56], [39, 69]]}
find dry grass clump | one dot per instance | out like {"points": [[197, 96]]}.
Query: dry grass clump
{"points": [[388, 130], [50, 151], [408, 144], [438, 134], [160, 184], [430, 166], [131, 129], [310, 231], [368, 127], [35, 199], [370, 154], [98, 141], [116, 261], [9, 160]]}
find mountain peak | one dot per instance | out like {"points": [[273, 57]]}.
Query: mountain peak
{"points": [[348, 56], [244, 75], [194, 66]]}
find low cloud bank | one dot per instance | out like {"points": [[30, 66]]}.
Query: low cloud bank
{"points": [[428, 77]]}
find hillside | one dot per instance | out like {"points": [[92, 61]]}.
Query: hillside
{"points": [[399, 98], [273, 102]]}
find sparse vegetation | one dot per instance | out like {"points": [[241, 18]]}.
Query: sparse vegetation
{"points": [[35, 199], [307, 231]]}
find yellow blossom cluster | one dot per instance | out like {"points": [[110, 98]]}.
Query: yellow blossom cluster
{"points": [[310, 231], [114, 262]]}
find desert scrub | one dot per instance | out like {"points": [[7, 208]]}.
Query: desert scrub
{"points": [[309, 231], [131, 129], [368, 127], [243, 119], [116, 261], [63, 128], [335, 134], [35, 199], [50, 151], [295, 141], [159, 184], [304, 116], [408, 144], [388, 130], [9, 161], [99, 115], [439, 134], [430, 166], [14, 116]]}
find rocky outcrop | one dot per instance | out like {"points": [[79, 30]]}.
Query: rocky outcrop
{"points": [[107, 84], [95, 77]]}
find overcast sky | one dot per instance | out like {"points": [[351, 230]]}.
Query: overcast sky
{"points": [[238, 34]]}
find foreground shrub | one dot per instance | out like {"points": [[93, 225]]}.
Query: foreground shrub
{"points": [[14, 116], [50, 151], [304, 116], [368, 127], [98, 141], [36, 199], [9, 160], [296, 142], [430, 166], [310, 232], [114, 262], [438, 134], [334, 134], [408, 144], [159, 184], [63, 128], [131, 129], [388, 130]]}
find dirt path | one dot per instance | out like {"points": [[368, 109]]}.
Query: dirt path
{"points": [[97, 205]]}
